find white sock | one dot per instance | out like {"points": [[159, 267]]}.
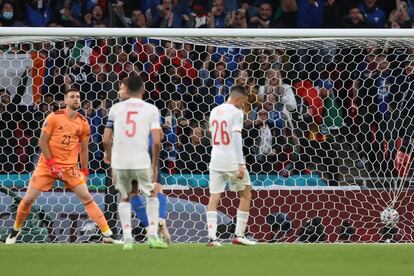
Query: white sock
{"points": [[107, 233], [124, 210], [242, 218], [212, 224], [153, 206]]}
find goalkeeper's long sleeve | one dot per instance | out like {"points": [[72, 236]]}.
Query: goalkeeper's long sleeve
{"points": [[239, 148]]}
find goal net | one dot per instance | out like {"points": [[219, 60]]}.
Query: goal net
{"points": [[328, 128]]}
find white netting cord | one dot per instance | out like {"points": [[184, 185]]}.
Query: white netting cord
{"points": [[327, 133]]}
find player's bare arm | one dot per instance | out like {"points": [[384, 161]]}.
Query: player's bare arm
{"points": [[107, 142], [56, 170], [44, 145], [156, 148], [84, 157]]}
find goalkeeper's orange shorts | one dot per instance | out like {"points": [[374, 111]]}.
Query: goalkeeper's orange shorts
{"points": [[42, 179]]}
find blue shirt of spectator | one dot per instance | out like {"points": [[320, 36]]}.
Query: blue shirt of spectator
{"points": [[95, 119], [232, 56], [220, 21], [77, 8], [157, 17], [148, 4], [230, 5], [275, 117], [39, 17], [221, 90], [171, 137], [310, 15], [374, 17], [410, 9], [383, 83]]}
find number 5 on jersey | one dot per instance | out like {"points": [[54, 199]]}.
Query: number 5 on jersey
{"points": [[131, 123], [220, 126]]}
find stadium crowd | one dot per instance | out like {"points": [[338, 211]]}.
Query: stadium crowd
{"points": [[305, 107], [209, 13]]}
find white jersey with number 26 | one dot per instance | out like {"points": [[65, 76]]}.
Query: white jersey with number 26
{"points": [[132, 121], [225, 119]]}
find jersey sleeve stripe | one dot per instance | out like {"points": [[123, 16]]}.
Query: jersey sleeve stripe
{"points": [[110, 124]]}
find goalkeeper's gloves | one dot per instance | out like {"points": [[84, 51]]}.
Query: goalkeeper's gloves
{"points": [[85, 172], [55, 169]]}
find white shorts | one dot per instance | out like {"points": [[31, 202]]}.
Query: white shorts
{"points": [[219, 180], [123, 181]]}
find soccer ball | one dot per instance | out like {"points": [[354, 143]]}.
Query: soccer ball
{"points": [[390, 216]]}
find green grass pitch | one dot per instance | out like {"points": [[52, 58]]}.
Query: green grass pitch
{"points": [[198, 259]]}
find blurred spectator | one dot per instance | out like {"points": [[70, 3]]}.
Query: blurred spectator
{"points": [[273, 83], [8, 16], [96, 18], [39, 13], [332, 118], [194, 156], [138, 20], [217, 15], [310, 13], [374, 16], [174, 119], [264, 17], [195, 16], [402, 108], [81, 77], [261, 64], [332, 16], [65, 17], [354, 19], [285, 15], [218, 81], [312, 109], [245, 78], [399, 17], [166, 15], [103, 86], [263, 141], [80, 7], [236, 19]]}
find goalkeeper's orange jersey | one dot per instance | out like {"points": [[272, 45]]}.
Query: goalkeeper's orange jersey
{"points": [[65, 136]]}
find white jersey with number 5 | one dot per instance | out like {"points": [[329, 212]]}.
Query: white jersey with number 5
{"points": [[225, 119], [132, 121]]}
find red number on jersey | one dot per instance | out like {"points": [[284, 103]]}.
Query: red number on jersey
{"points": [[131, 122], [225, 136]]}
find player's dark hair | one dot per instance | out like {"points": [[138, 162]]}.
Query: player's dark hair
{"points": [[71, 90], [134, 84], [239, 90]]}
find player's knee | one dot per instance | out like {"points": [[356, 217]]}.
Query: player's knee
{"points": [[28, 199]]}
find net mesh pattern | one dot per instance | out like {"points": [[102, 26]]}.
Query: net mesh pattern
{"points": [[327, 133]]}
